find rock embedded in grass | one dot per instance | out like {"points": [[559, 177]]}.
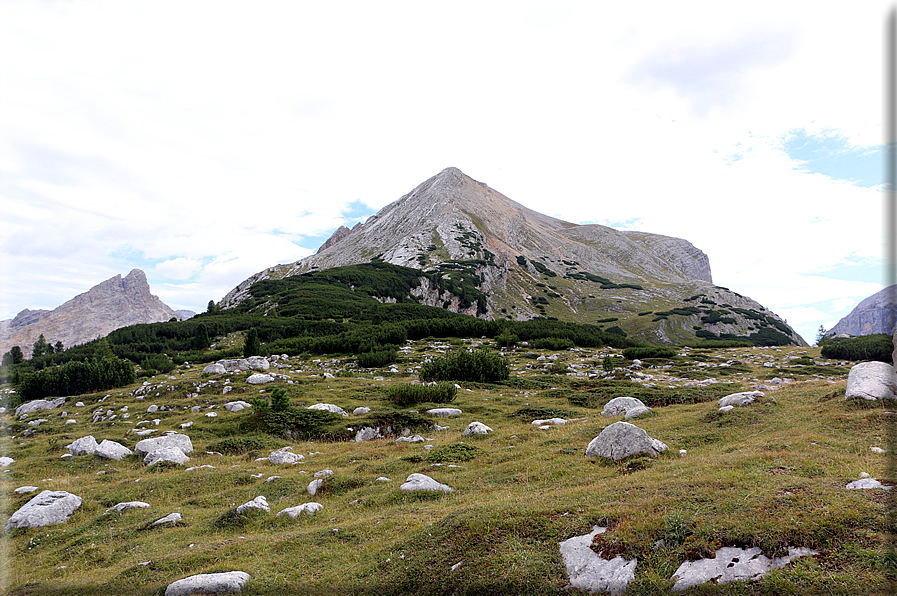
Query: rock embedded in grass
{"points": [[236, 406], [171, 518], [259, 502], [444, 412], [128, 505], [477, 428], [329, 408], [285, 455], [83, 446], [47, 508], [165, 454], [621, 440], [416, 482], [732, 564], [306, 508], [38, 405], [112, 450], [591, 573], [229, 582], [871, 381], [621, 406], [259, 379]]}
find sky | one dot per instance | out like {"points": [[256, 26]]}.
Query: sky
{"points": [[205, 141]]}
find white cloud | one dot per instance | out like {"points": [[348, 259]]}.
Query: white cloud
{"points": [[204, 142]]}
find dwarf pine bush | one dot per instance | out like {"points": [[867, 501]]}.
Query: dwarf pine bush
{"points": [[410, 395], [460, 365]]}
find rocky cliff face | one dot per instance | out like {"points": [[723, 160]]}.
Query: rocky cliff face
{"points": [[875, 314], [107, 306], [452, 222]]}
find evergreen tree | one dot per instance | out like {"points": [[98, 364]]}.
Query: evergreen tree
{"points": [[201, 339], [13, 356], [212, 308], [58, 348], [41, 347], [820, 335], [252, 346]]}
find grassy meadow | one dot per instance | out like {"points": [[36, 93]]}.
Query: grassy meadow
{"points": [[771, 474]]}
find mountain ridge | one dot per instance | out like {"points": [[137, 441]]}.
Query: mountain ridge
{"points": [[520, 258], [875, 314]]}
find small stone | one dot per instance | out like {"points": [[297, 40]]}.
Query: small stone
{"points": [[257, 503], [416, 482], [306, 508]]}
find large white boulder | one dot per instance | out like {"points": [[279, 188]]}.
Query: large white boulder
{"points": [[871, 381], [236, 365], [112, 450], [329, 408], [38, 405], [236, 406], [229, 582], [259, 379], [48, 507], [175, 440], [258, 363], [589, 572], [306, 508], [622, 439], [740, 399], [620, 406], [423, 482], [166, 454], [444, 412], [83, 446], [259, 502], [285, 455], [214, 369], [477, 428]]}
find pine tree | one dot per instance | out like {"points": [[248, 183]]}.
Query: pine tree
{"points": [[252, 346], [41, 347]]}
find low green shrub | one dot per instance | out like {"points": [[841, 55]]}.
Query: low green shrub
{"points": [[452, 453], [878, 347], [377, 358], [241, 444], [648, 352], [460, 365], [552, 343], [410, 395], [160, 363]]}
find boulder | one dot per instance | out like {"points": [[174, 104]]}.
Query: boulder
{"points": [[236, 406], [444, 412], [423, 482], [6, 461], [229, 582], [259, 502], [25, 489], [314, 485], [83, 446], [128, 505], [620, 406], [166, 454], [214, 369], [477, 428], [259, 379], [866, 484], [871, 381], [329, 408], [740, 399], [48, 507], [589, 572], [552, 421], [38, 405], [360, 411], [112, 450], [176, 440], [171, 518], [285, 455], [258, 363], [236, 365], [622, 439], [732, 564], [368, 433], [306, 508], [636, 412], [411, 439]]}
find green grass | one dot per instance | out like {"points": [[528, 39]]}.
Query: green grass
{"points": [[769, 475]]}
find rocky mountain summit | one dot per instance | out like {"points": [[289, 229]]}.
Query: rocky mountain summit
{"points": [[875, 314], [528, 264], [114, 303]]}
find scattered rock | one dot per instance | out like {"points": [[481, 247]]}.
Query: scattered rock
{"points": [[236, 406], [367, 433], [732, 564], [38, 405], [740, 399], [83, 446], [171, 518], [259, 379], [175, 440], [477, 428], [5, 461], [411, 439], [128, 505], [285, 455], [25, 489], [257, 503], [360, 411], [866, 483], [549, 421], [423, 482], [306, 508], [589, 572], [314, 485], [621, 406], [166, 454], [112, 450], [871, 381], [230, 582], [48, 507], [258, 363], [214, 369], [444, 412], [329, 408], [622, 439], [235, 365]]}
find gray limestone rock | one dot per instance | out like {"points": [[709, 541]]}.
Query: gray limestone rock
{"points": [[329, 408], [83, 446], [423, 482], [112, 450], [444, 412], [259, 379], [285, 455], [171, 518], [259, 502], [740, 399], [259, 363], [732, 564], [622, 439], [48, 507], [360, 411], [128, 505], [871, 381], [620, 406], [306, 508], [314, 485], [229, 582], [589, 572], [236, 406], [235, 365], [175, 440], [165, 454], [368, 433], [39, 404], [477, 428], [551, 421], [214, 369]]}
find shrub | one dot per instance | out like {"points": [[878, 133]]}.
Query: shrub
{"points": [[608, 363], [648, 352], [552, 343], [868, 347], [410, 395], [461, 365], [160, 363], [377, 358], [453, 453], [75, 377], [241, 444]]}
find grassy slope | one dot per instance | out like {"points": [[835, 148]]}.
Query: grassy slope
{"points": [[770, 475]]}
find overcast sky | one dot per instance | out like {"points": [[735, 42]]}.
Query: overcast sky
{"points": [[205, 141]]}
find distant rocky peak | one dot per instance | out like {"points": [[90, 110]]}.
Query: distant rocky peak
{"points": [[340, 233]]}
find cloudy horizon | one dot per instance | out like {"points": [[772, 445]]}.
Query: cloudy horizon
{"points": [[203, 142]]}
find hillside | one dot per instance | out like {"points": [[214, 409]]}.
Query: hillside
{"points": [[875, 314], [771, 475], [526, 265], [112, 304]]}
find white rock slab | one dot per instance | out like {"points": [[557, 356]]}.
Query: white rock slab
{"points": [[214, 369], [171, 518], [166, 454], [6, 461], [306, 508], [477, 428], [870, 381], [236, 406], [285, 455], [411, 439], [444, 412], [234, 365], [360, 411], [257, 503], [619, 406], [128, 505], [38, 405], [423, 482], [549, 421], [329, 408], [25, 489], [175, 440], [112, 450], [83, 446], [229, 582], [740, 399], [622, 439], [866, 484], [48, 507], [259, 379], [732, 564], [589, 572]]}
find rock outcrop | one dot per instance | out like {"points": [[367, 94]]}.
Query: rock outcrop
{"points": [[875, 314], [49, 507], [115, 303]]}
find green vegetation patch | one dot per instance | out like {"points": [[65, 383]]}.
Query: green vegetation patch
{"points": [[605, 390], [461, 365], [447, 454], [878, 347], [406, 395]]}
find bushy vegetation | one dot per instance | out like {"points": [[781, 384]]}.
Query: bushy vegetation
{"points": [[406, 395], [648, 352], [156, 363], [75, 377], [552, 343], [460, 365], [878, 347], [376, 358]]}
